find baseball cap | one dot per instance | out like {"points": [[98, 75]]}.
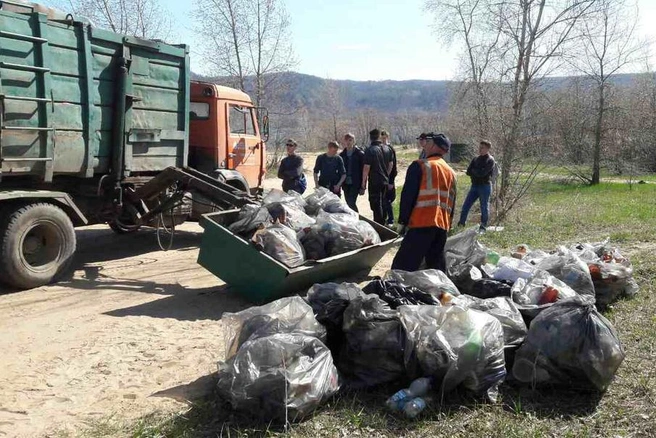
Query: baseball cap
{"points": [[439, 139]]}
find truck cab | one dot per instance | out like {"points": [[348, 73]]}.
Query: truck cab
{"points": [[224, 136]]}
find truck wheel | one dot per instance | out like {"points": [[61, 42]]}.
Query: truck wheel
{"points": [[37, 242]]}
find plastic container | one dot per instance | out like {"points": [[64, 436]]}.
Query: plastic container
{"points": [[414, 407], [418, 388]]}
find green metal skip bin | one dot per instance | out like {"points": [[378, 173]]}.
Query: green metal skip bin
{"points": [[261, 278]]}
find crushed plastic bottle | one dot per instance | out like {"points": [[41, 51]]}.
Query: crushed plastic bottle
{"points": [[418, 388], [414, 407]]}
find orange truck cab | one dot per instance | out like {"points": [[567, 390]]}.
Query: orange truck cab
{"points": [[224, 136]]}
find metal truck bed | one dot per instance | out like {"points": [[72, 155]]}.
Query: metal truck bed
{"points": [[261, 278], [67, 109]]}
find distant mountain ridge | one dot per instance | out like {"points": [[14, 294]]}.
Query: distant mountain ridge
{"points": [[387, 96]]}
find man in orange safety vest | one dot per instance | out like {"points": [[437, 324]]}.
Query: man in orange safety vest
{"points": [[427, 205]]}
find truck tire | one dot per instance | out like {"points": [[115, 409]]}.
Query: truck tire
{"points": [[37, 243]]}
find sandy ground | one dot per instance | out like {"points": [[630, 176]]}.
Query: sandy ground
{"points": [[133, 330]]}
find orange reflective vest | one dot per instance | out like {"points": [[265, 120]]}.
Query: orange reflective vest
{"points": [[437, 195]]}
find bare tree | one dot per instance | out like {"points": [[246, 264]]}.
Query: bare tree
{"points": [[609, 45], [469, 21], [141, 18], [333, 99], [246, 40]]}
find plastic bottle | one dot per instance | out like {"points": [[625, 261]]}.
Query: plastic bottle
{"points": [[418, 388], [492, 257], [414, 407]]}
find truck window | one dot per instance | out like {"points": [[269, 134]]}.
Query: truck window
{"points": [[241, 120], [199, 111]]}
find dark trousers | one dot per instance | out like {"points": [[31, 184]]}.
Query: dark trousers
{"points": [[377, 202], [419, 244], [351, 192], [388, 208]]}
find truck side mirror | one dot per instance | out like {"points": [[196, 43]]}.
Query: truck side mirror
{"points": [[265, 128]]}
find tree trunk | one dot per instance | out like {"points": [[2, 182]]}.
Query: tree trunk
{"points": [[596, 154]]}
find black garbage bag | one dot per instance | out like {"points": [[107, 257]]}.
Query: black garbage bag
{"points": [[503, 309], [373, 353], [487, 288], [465, 276], [249, 219], [286, 315], [328, 301], [282, 377], [456, 346], [572, 344], [397, 295], [313, 242]]}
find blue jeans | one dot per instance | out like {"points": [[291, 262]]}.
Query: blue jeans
{"points": [[481, 192]]}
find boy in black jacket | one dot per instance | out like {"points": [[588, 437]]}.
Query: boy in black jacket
{"points": [[483, 172]]}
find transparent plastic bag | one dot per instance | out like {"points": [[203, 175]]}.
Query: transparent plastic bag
{"points": [[286, 315], [612, 280], [571, 344], [503, 309], [539, 292], [464, 248], [511, 269], [250, 218], [433, 281], [456, 346], [369, 235], [570, 269], [323, 199], [611, 272], [281, 243], [291, 215], [290, 198], [282, 377], [373, 353], [343, 232]]}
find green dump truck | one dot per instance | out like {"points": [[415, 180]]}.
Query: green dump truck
{"points": [[95, 127]]}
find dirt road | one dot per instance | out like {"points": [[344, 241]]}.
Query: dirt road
{"points": [[130, 332]]}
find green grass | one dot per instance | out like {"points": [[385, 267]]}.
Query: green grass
{"points": [[553, 213]]}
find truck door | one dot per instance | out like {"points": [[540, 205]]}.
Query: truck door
{"points": [[244, 143]]}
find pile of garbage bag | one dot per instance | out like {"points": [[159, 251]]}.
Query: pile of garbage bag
{"points": [[529, 317], [277, 366], [319, 226]]}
